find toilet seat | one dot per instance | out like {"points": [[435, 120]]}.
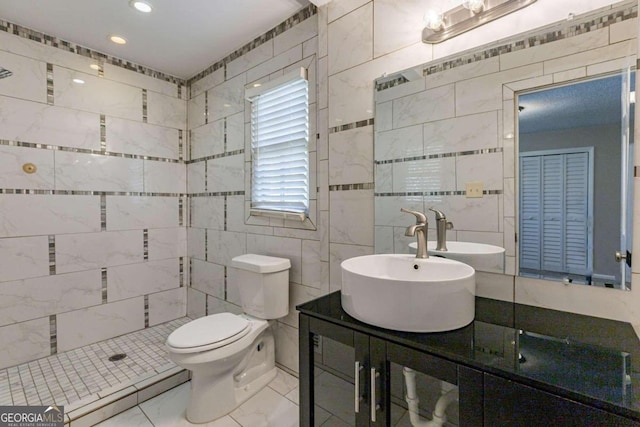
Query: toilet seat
{"points": [[208, 333]]}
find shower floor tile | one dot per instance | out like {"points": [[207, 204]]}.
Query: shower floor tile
{"points": [[85, 374]]}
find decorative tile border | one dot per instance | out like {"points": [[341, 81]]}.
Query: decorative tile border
{"points": [[351, 187], [549, 34], [440, 156], [354, 125], [145, 244], [218, 193], [103, 133], [53, 334], [101, 58], [435, 193], [181, 271], [103, 212], [103, 275], [50, 93], [145, 114], [289, 23], [52, 255], [395, 81], [86, 151], [146, 311], [86, 193]]}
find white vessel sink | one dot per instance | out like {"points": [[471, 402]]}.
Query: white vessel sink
{"points": [[404, 293], [480, 256]]}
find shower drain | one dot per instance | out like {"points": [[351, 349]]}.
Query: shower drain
{"points": [[117, 357]]}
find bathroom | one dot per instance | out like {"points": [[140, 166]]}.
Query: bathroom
{"points": [[138, 198]]}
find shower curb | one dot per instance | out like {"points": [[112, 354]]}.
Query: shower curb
{"points": [[110, 402]]}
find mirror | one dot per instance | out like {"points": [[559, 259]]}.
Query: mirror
{"points": [[575, 148], [447, 135]]}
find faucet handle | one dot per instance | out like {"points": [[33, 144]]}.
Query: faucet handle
{"points": [[439, 214], [449, 225], [420, 217]]}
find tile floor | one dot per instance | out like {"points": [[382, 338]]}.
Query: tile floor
{"points": [[80, 374], [274, 406]]}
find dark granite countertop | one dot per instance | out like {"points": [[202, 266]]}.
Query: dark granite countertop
{"points": [[587, 359]]}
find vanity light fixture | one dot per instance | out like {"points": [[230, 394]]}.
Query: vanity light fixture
{"points": [[141, 6], [467, 16], [117, 39]]}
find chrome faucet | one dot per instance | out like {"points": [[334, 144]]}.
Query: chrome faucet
{"points": [[418, 230], [441, 229]]}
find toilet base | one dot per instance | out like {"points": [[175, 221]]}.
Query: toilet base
{"points": [[210, 401]]}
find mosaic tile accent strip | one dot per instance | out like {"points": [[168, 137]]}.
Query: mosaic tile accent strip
{"points": [[85, 151], [218, 193], [103, 212], [180, 145], [217, 156], [190, 270], [206, 107], [180, 90], [103, 133], [351, 187], [100, 58], [441, 155], [86, 193], [206, 242], [289, 23], [181, 271], [206, 176], [52, 255], [225, 216], [145, 117], [224, 142], [50, 96], [180, 211], [65, 378], [354, 125], [53, 334], [105, 295], [146, 311], [396, 81], [435, 193], [546, 35], [145, 244]]}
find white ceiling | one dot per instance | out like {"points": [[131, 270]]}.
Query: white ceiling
{"points": [[179, 37]]}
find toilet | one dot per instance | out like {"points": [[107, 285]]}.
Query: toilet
{"points": [[232, 356]]}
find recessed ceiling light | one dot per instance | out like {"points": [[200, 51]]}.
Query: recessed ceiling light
{"points": [[117, 39], [94, 67], [78, 81], [141, 6], [257, 84]]}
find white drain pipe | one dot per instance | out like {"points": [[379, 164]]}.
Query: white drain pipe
{"points": [[439, 415]]}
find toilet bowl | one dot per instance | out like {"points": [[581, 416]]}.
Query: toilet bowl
{"points": [[232, 356]]}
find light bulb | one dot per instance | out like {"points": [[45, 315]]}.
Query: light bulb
{"points": [[433, 20], [474, 6], [141, 6]]}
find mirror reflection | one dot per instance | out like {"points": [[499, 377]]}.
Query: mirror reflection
{"points": [[575, 152]]}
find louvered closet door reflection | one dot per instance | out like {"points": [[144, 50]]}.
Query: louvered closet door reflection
{"points": [[554, 212], [530, 212]]}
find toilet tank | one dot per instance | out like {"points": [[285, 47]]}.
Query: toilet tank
{"points": [[263, 284]]}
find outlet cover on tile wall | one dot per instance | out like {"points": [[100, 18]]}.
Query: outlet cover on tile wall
{"points": [[474, 189]]}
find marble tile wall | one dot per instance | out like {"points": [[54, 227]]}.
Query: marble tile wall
{"points": [[219, 181], [93, 244]]}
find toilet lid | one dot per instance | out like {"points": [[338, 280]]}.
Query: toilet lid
{"points": [[222, 328]]}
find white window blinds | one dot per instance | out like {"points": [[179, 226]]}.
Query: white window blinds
{"points": [[280, 147]]}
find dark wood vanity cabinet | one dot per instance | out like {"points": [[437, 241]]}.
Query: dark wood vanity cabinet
{"points": [[510, 404], [371, 358]]}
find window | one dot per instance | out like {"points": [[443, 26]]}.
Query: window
{"points": [[280, 147]]}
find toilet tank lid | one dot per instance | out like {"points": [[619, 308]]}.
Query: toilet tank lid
{"points": [[260, 263]]}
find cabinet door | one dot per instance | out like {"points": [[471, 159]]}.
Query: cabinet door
{"points": [[430, 383], [511, 404], [337, 378]]}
